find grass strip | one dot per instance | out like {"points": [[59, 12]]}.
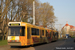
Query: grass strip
{"points": [[3, 42]]}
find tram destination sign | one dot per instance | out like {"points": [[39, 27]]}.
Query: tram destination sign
{"points": [[14, 24]]}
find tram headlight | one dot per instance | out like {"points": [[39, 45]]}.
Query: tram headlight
{"points": [[9, 40]]}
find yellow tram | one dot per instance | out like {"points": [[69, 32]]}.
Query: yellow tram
{"points": [[24, 34]]}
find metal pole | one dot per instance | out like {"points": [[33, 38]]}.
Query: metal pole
{"points": [[33, 12], [59, 29]]}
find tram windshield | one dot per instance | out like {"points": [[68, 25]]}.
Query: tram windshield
{"points": [[16, 31]]}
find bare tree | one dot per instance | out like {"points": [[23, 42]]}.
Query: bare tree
{"points": [[45, 14], [22, 10]]}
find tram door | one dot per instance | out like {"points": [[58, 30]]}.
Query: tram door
{"points": [[28, 36]]}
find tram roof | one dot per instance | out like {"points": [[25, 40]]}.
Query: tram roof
{"points": [[31, 25]]}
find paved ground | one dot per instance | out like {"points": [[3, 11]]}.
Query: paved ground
{"points": [[67, 44]]}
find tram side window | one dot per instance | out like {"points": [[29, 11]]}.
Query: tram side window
{"points": [[37, 31], [50, 34], [43, 32], [53, 34], [33, 31], [46, 32], [23, 31], [57, 34]]}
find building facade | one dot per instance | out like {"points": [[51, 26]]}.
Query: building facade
{"points": [[68, 30]]}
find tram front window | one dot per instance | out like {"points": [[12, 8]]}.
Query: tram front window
{"points": [[16, 31]]}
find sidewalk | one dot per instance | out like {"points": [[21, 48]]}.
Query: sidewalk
{"points": [[5, 47]]}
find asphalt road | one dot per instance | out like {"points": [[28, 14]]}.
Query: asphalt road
{"points": [[67, 44]]}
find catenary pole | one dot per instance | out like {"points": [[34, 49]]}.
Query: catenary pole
{"points": [[33, 12]]}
